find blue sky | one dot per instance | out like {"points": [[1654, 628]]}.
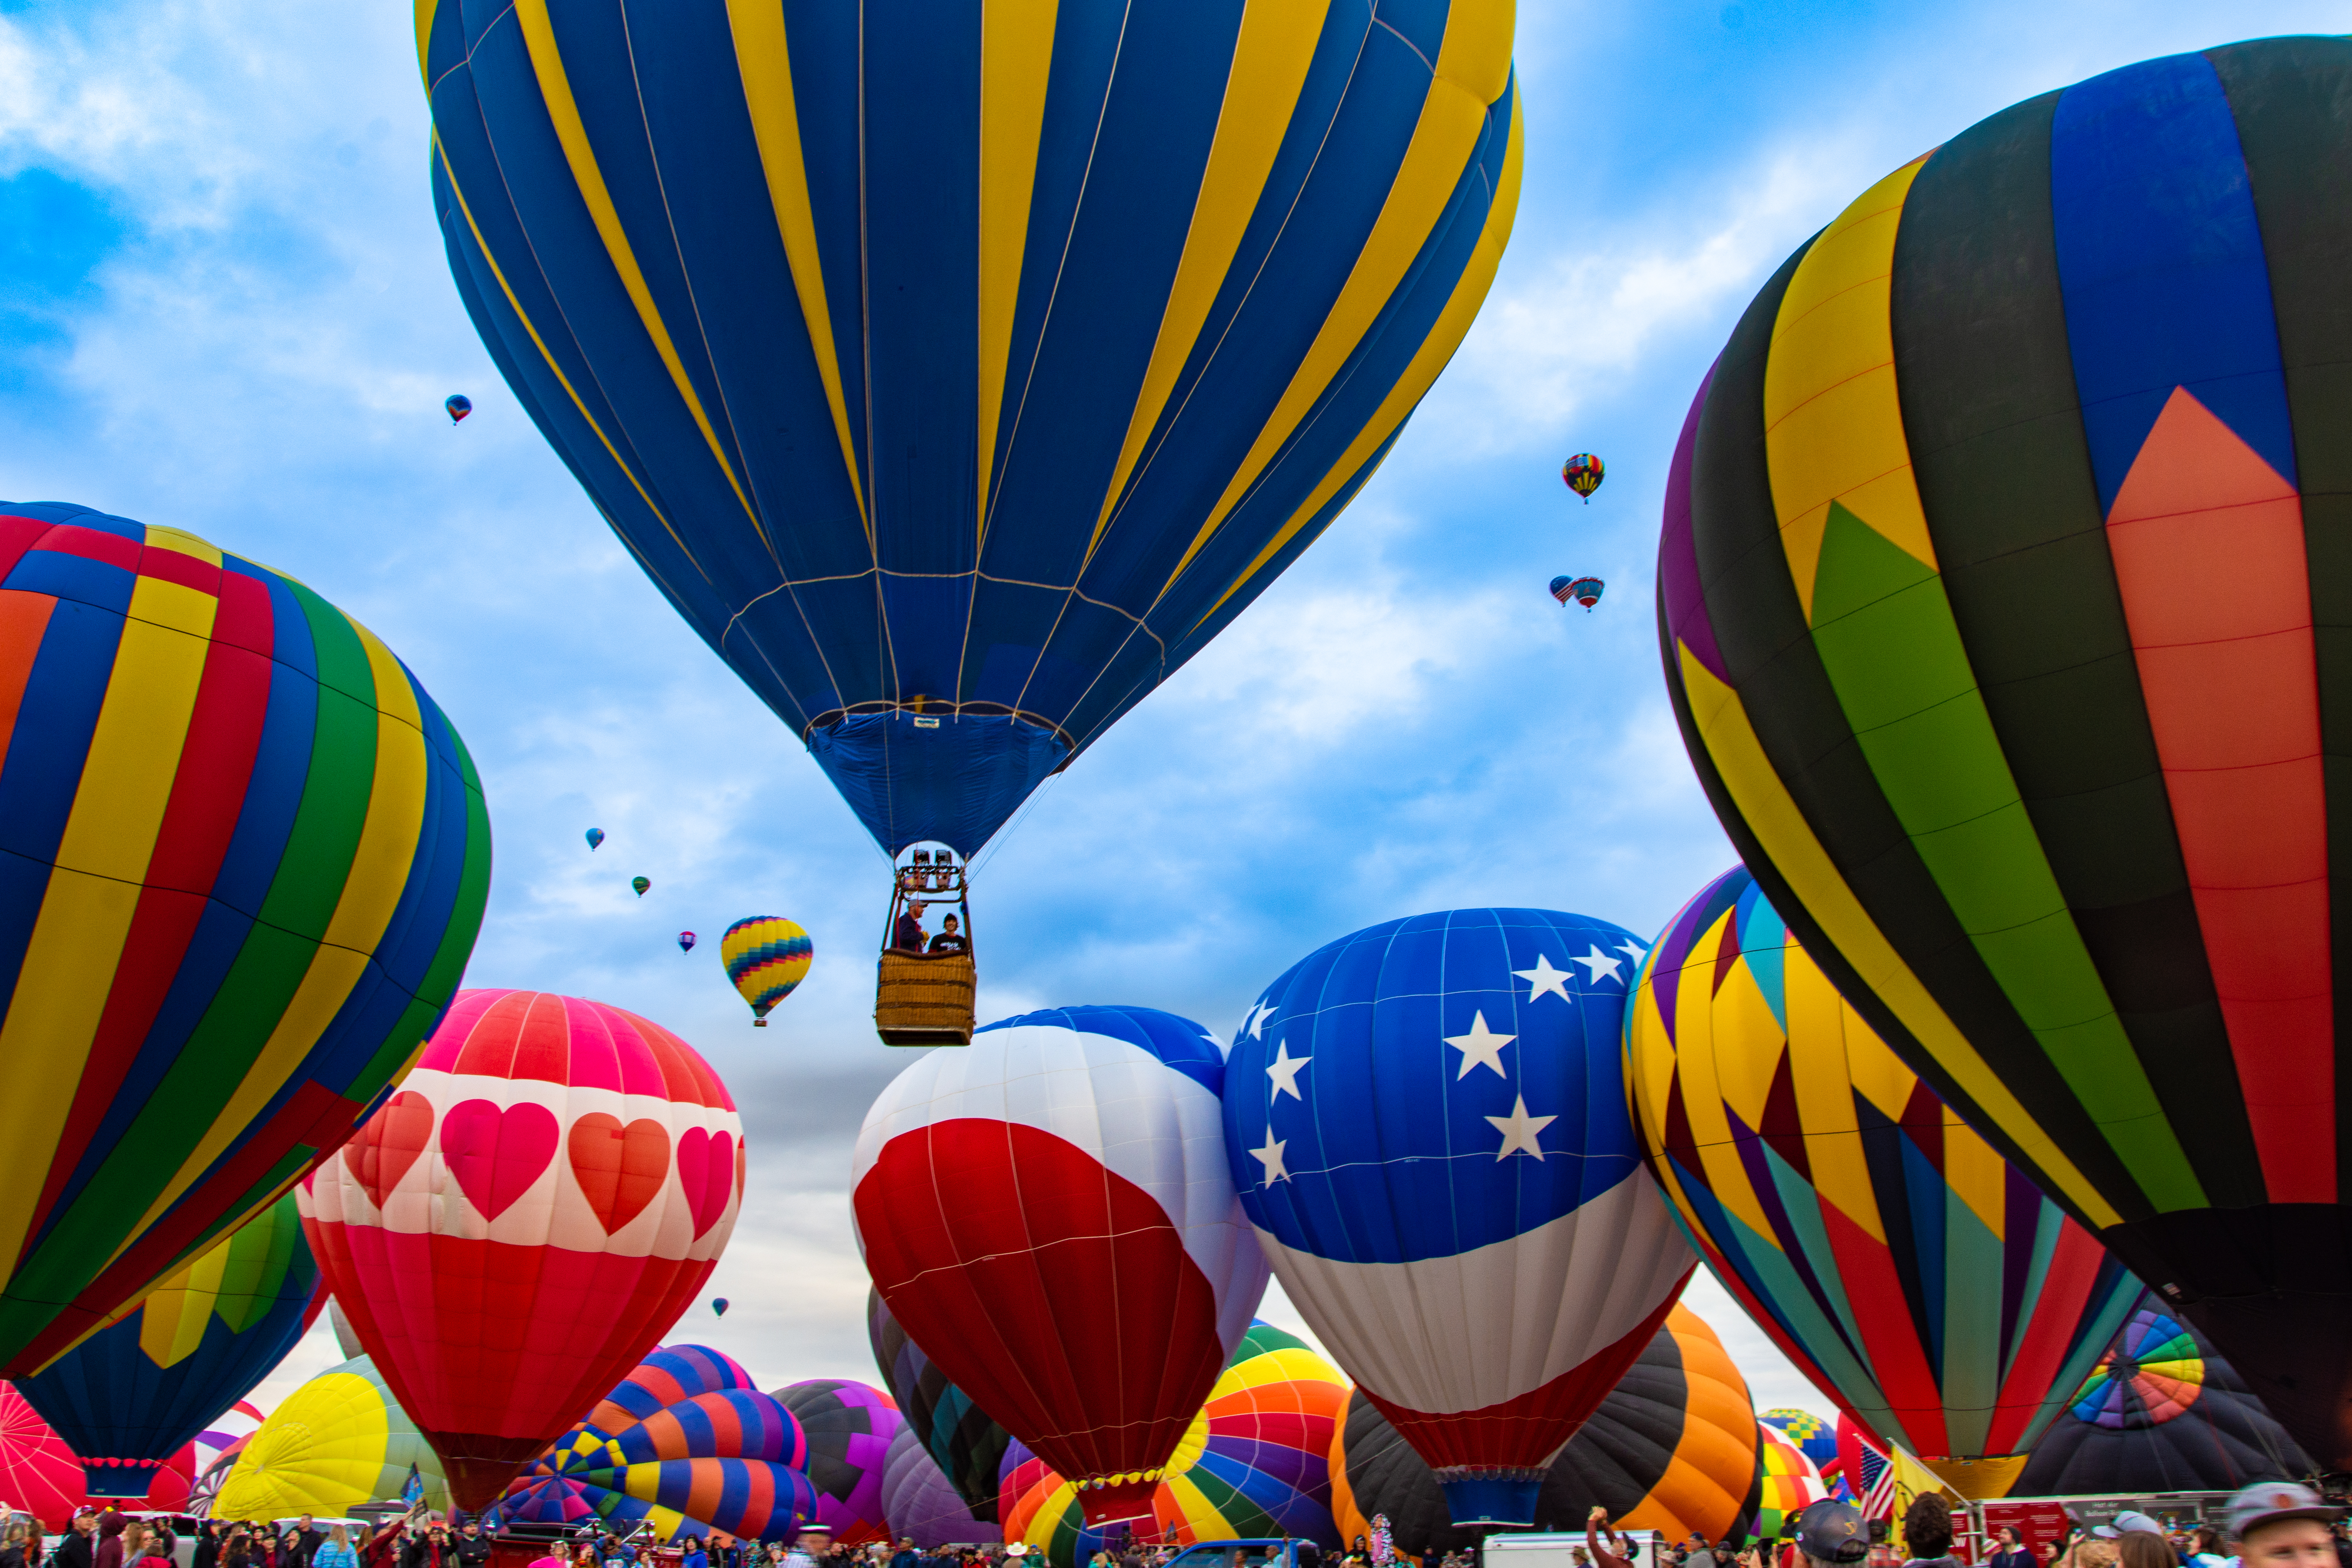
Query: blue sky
{"points": [[224, 306]]}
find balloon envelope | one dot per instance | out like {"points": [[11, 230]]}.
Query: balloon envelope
{"points": [[1790, 1483], [1077, 1144], [1360, 1086], [133, 1394], [1964, 651], [850, 1426], [457, 406], [1583, 473], [338, 1440], [966, 1444], [247, 857], [1916, 1278], [595, 836], [766, 957], [1816, 1438], [1673, 1448], [918, 1503], [641, 884], [685, 1444], [514, 1231], [954, 428]]}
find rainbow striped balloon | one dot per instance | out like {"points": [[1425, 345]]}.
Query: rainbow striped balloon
{"points": [[245, 863], [767, 957]]}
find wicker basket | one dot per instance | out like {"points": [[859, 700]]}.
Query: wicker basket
{"points": [[924, 1000]]}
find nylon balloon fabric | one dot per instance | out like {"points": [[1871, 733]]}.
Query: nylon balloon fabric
{"points": [[2160, 1412], [684, 1445], [1788, 1483], [338, 1439], [1987, 600], [1071, 1143], [1673, 1448], [1254, 1464], [521, 1223], [966, 1444], [245, 859], [920, 1504], [1427, 1124], [1815, 1438], [136, 1392], [959, 371], [850, 1426], [766, 958], [215, 1452], [1913, 1275]]}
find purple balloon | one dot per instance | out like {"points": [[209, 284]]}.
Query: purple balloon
{"points": [[918, 1501], [849, 1426]]}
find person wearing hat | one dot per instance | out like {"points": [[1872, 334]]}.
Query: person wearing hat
{"points": [[2278, 1524]]}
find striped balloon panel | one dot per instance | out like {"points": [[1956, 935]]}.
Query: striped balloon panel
{"points": [[850, 1426], [1914, 1274], [1790, 1483], [242, 859], [1995, 549], [153, 1381], [666, 1375], [971, 362], [767, 957]]}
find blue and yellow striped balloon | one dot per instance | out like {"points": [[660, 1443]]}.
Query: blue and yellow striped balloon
{"points": [[245, 859], [767, 957], [958, 368]]}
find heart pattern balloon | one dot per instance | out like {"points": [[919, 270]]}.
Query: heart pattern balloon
{"points": [[545, 1197]]}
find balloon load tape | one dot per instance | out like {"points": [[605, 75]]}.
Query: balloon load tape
{"points": [[1125, 1479]]}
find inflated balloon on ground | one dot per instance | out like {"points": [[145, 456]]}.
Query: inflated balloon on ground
{"points": [[135, 1392], [850, 1426], [1428, 1127], [957, 411], [1069, 1144], [1790, 1483], [966, 1444], [1994, 548], [338, 1440], [1913, 1275], [246, 859], [919, 1503], [512, 1233], [1816, 1438]]}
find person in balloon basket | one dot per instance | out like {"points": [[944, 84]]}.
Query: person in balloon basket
{"points": [[950, 939], [907, 937]]}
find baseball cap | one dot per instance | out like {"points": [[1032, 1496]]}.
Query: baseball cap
{"points": [[2266, 1502], [1832, 1532], [2132, 1522], [2107, 1532]]}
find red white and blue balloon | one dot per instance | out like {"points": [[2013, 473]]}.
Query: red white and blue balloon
{"points": [[1428, 1126], [1048, 1213]]}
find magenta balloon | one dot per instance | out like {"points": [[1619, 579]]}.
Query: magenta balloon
{"points": [[918, 1501], [849, 1426]]}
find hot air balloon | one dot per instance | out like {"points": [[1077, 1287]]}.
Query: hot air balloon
{"points": [[920, 1504], [1544, 1265], [849, 1426], [216, 1449], [966, 1444], [1073, 1143], [338, 1440], [641, 884], [135, 1392], [245, 861], [1583, 473], [1673, 1448], [1585, 591], [515, 1230], [685, 1444], [719, 1305], [1255, 1463], [767, 957], [2160, 1412], [595, 836], [41, 1475], [1559, 587], [458, 406], [686, 941], [1816, 1440], [2056, 821], [1916, 1278], [955, 429], [1791, 1484]]}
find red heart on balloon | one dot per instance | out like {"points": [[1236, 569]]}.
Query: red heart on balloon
{"points": [[706, 1169], [619, 1169], [380, 1154], [495, 1154]]}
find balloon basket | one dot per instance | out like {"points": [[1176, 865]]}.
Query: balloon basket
{"points": [[924, 999], [1503, 1498]]}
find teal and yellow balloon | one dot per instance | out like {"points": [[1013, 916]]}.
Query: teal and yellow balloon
{"points": [[958, 370], [767, 957], [243, 859]]}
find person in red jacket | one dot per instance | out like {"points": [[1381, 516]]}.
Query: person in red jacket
{"points": [[109, 1541]]}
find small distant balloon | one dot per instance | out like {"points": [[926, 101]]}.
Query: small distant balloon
{"points": [[595, 836], [1585, 591], [767, 956], [458, 406], [1559, 587], [1583, 473], [719, 1305], [686, 941], [641, 884]]}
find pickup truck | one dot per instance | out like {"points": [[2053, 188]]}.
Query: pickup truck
{"points": [[1261, 1552]]}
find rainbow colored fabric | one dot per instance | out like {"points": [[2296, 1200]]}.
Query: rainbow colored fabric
{"points": [[767, 957], [243, 859]]}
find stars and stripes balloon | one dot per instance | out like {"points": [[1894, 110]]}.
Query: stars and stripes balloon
{"points": [[958, 380], [133, 1394], [1915, 1277], [243, 859], [1428, 1126], [1995, 544], [539, 1203], [1073, 1145]]}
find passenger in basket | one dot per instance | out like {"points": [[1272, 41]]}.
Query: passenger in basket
{"points": [[908, 935], [950, 940]]}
